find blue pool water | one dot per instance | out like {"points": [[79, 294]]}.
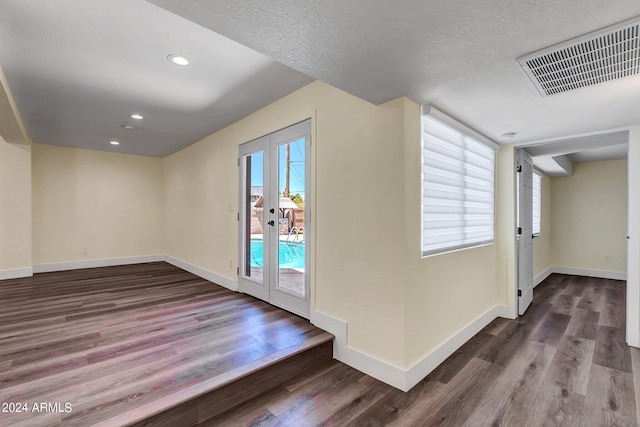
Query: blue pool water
{"points": [[291, 254]]}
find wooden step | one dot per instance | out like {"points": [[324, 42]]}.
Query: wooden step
{"points": [[216, 395], [145, 344]]}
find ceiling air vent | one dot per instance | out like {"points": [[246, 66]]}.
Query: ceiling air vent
{"points": [[607, 54]]}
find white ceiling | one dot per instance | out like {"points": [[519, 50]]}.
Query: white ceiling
{"points": [[556, 158], [79, 67]]}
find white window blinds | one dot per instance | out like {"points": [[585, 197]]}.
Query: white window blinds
{"points": [[457, 186], [537, 194]]}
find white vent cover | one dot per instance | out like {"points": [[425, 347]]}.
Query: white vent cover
{"points": [[607, 54]]}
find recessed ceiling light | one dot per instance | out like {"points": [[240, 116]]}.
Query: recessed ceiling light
{"points": [[178, 59], [128, 127], [114, 143], [137, 116]]}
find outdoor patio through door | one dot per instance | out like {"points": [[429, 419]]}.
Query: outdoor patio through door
{"points": [[274, 210]]}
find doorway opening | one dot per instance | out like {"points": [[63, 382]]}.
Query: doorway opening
{"points": [[580, 185]]}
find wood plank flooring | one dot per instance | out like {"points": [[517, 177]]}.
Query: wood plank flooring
{"points": [[110, 346], [564, 363]]}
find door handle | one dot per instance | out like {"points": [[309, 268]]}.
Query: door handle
{"points": [[271, 223]]}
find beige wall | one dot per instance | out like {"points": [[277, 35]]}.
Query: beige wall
{"points": [[111, 204], [357, 157], [15, 206], [542, 244], [368, 269], [201, 195], [12, 127], [444, 292], [589, 216]]}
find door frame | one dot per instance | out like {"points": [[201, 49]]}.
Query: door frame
{"points": [[520, 259], [270, 144]]}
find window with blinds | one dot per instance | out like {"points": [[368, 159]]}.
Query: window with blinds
{"points": [[457, 185], [536, 206]]}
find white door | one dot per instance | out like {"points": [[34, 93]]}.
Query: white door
{"points": [[274, 218], [525, 230]]}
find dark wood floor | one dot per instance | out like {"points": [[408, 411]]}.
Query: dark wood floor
{"points": [[109, 341], [564, 363]]}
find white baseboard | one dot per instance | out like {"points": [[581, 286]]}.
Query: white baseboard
{"points": [[393, 375], [75, 265], [540, 277], [429, 362], [370, 365], [603, 274], [16, 273], [201, 272], [506, 312]]}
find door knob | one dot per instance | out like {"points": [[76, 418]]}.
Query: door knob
{"points": [[272, 223]]}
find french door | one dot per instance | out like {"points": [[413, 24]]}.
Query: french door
{"points": [[274, 218]]}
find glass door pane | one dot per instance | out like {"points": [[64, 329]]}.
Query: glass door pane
{"points": [[254, 218], [254, 266], [291, 217]]}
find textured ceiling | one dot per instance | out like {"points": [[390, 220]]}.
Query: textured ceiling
{"points": [[459, 55], [78, 68]]}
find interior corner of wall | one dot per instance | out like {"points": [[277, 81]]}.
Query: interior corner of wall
{"points": [[224, 281], [431, 360], [12, 125], [369, 364], [331, 324]]}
